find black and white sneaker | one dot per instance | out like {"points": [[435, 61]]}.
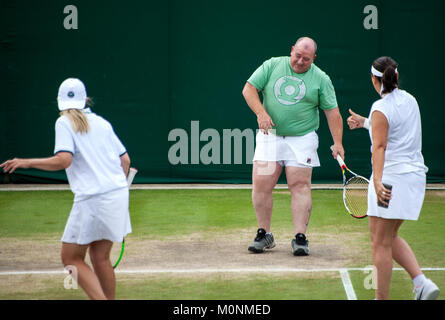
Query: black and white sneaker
{"points": [[300, 245], [262, 242]]}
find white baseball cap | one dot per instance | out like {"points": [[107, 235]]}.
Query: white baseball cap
{"points": [[72, 94]]}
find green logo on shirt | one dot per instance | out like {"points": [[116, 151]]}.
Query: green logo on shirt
{"points": [[289, 90]]}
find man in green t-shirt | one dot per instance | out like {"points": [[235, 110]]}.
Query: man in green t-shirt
{"points": [[293, 89]]}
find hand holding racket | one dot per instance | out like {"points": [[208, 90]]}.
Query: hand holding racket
{"points": [[355, 191]]}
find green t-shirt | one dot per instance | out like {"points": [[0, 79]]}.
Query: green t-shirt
{"points": [[292, 99]]}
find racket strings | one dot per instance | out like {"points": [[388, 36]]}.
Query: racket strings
{"points": [[356, 196]]}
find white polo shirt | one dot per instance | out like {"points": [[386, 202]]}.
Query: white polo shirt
{"points": [[404, 146], [96, 165]]}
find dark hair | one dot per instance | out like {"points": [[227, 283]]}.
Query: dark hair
{"points": [[387, 66]]}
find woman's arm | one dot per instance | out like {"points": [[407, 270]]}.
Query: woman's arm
{"points": [[125, 163], [60, 161], [379, 141]]}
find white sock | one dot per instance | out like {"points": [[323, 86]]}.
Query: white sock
{"points": [[418, 281]]}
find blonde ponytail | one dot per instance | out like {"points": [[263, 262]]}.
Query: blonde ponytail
{"points": [[78, 120]]}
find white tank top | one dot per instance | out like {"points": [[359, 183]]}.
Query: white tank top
{"points": [[404, 146]]}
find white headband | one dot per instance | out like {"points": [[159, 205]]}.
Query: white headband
{"points": [[377, 73]]}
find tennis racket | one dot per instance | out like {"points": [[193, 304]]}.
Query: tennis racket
{"points": [[131, 173], [355, 191]]}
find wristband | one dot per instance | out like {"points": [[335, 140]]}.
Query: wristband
{"points": [[367, 124]]}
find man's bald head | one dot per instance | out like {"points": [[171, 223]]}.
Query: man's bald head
{"points": [[307, 44], [303, 54]]}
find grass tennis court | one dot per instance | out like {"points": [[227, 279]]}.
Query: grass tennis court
{"points": [[192, 244]]}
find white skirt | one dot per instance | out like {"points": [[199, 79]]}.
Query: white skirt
{"points": [[408, 192], [302, 149], [99, 217]]}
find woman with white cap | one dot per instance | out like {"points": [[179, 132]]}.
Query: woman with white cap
{"points": [[96, 164], [397, 185]]}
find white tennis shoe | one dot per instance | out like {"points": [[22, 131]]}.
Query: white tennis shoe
{"points": [[427, 291]]}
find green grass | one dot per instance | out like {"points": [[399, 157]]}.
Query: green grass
{"points": [[320, 286], [27, 214], [215, 287], [401, 284], [165, 214], [160, 213]]}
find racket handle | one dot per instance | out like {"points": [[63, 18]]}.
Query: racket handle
{"points": [[132, 172], [339, 159]]}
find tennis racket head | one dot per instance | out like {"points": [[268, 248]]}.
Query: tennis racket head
{"points": [[355, 196]]}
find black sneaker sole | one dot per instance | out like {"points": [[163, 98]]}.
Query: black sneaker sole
{"points": [[300, 252], [255, 250], [300, 249]]}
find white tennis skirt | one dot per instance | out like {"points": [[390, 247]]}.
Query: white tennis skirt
{"points": [[408, 192], [299, 149], [99, 217]]}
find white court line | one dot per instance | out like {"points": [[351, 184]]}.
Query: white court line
{"points": [[200, 270], [208, 270], [347, 284]]}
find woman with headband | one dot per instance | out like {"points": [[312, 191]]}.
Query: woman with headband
{"points": [[397, 185]]}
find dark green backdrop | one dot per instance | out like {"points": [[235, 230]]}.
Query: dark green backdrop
{"points": [[153, 66]]}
